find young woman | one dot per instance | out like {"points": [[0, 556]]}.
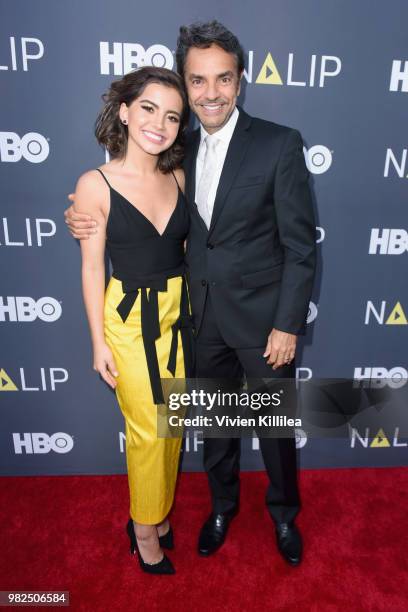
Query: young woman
{"points": [[140, 325]]}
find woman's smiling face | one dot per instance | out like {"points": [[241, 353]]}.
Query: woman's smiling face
{"points": [[153, 119]]}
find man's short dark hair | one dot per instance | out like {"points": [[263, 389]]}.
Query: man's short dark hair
{"points": [[202, 36]]}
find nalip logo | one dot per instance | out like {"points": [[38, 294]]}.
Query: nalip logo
{"points": [[31, 233], [23, 50], [384, 314], [379, 440], [47, 379]]}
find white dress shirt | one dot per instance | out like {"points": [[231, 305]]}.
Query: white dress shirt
{"points": [[224, 135]]}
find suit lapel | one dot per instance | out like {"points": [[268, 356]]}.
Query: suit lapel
{"points": [[235, 154], [190, 172]]}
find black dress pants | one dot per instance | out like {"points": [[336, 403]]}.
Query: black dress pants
{"points": [[215, 359]]}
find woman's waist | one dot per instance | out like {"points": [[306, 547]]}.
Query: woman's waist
{"points": [[144, 266], [150, 280], [161, 300]]}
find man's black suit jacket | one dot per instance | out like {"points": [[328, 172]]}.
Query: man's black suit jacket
{"points": [[258, 257]]}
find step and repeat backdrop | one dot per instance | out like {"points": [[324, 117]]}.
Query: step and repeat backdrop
{"points": [[338, 72]]}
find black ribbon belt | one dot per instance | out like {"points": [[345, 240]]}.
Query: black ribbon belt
{"points": [[150, 322]]}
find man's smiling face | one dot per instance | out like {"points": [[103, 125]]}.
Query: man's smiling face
{"points": [[213, 85]]}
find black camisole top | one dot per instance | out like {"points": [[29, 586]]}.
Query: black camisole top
{"points": [[142, 259]]}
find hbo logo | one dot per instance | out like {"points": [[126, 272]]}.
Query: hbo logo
{"points": [[312, 312], [388, 241], [41, 443], [394, 377], [124, 57], [318, 159], [300, 437], [33, 147], [25, 309]]}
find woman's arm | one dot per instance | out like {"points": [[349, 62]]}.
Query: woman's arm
{"points": [[91, 197]]}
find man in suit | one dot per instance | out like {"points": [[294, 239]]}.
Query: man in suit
{"points": [[250, 264]]}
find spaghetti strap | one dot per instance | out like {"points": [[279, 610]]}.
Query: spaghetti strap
{"points": [[104, 177], [174, 176]]}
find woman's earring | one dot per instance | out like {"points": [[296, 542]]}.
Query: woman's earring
{"points": [[124, 121]]}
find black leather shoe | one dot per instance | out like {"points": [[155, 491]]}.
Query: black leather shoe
{"points": [[289, 542], [213, 533]]}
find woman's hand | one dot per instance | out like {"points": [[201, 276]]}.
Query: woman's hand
{"points": [[105, 364]]}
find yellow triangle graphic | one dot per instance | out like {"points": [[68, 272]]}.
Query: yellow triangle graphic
{"points": [[397, 316], [269, 74], [380, 440], [6, 384]]}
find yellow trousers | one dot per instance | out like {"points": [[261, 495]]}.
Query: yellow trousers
{"points": [[152, 462]]}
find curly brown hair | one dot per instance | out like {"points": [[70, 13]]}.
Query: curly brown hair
{"points": [[112, 134]]}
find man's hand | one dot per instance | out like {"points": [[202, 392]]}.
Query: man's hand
{"points": [[81, 226], [280, 348]]}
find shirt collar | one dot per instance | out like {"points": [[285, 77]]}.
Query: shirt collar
{"points": [[225, 133]]}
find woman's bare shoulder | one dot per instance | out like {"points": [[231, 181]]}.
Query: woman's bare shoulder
{"points": [[91, 192], [91, 179]]}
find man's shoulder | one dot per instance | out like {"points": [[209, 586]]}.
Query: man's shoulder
{"points": [[270, 129]]}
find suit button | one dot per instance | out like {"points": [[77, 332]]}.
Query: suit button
{"points": [[210, 246], [213, 283], [203, 282]]}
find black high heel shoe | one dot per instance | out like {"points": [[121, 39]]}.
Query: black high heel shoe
{"points": [[167, 540], [164, 566]]}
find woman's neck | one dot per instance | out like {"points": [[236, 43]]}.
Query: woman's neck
{"points": [[138, 161]]}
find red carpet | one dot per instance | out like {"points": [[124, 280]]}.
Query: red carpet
{"points": [[67, 533]]}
